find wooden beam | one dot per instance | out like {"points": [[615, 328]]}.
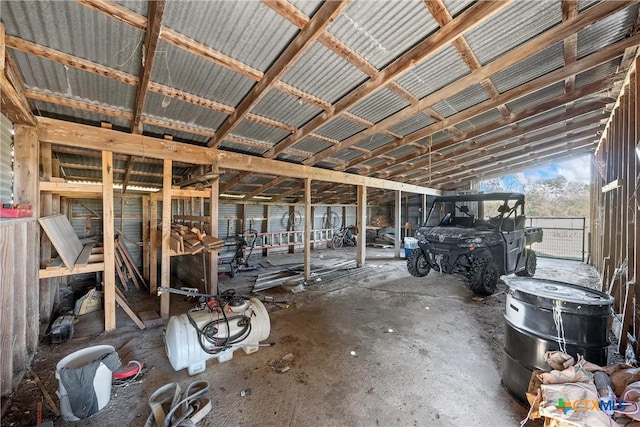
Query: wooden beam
{"points": [[13, 101], [294, 50], [466, 21], [151, 38], [361, 222], [233, 181], [165, 266], [71, 134], [265, 187], [109, 279], [570, 44], [307, 229], [556, 34], [127, 175]]}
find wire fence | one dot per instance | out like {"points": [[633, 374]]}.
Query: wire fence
{"points": [[563, 238]]}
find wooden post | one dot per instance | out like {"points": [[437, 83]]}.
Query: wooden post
{"points": [[46, 209], [165, 266], [109, 276], [213, 224], [146, 202], [361, 213], [8, 316], [424, 209], [398, 221], [307, 228], [153, 247]]}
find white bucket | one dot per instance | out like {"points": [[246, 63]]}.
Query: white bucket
{"points": [[101, 382]]}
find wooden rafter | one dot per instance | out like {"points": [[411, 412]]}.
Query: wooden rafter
{"points": [[288, 193], [265, 187], [466, 21], [570, 44], [591, 61], [294, 50], [151, 38]]}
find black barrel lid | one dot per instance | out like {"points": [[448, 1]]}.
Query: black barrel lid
{"points": [[561, 291]]}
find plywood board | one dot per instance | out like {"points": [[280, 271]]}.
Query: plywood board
{"points": [[63, 238]]}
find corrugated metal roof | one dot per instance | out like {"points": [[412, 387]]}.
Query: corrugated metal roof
{"points": [[605, 32], [340, 129], [585, 4], [247, 31], [434, 73], [530, 68], [176, 134], [307, 6], [347, 155], [415, 123], [324, 74], [311, 145], [141, 7], [380, 105], [260, 132], [285, 108], [402, 151], [164, 107], [598, 73], [204, 78], [380, 31], [242, 148], [53, 110], [373, 162], [375, 141], [511, 27], [544, 116], [42, 74], [290, 158], [95, 36], [537, 97], [455, 7], [461, 101], [485, 118]]}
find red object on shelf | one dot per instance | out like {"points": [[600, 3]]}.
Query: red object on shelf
{"points": [[15, 213]]}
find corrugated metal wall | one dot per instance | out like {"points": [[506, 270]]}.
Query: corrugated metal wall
{"points": [[6, 160], [614, 207]]}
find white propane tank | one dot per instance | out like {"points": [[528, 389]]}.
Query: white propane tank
{"points": [[182, 339]]}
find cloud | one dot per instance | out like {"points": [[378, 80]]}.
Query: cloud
{"points": [[577, 169]]}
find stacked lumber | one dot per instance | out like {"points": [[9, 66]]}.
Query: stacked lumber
{"points": [[185, 241], [126, 269]]}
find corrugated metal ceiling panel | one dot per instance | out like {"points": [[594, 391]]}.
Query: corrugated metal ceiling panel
{"points": [[340, 128], [511, 27], [47, 109], [598, 73], [308, 7], [95, 36], [260, 132], [347, 155], [176, 134], [461, 101], [311, 145], [290, 158], [242, 148], [412, 124], [544, 116], [434, 73], [247, 31], [380, 31], [204, 78], [603, 33], [329, 81], [529, 69], [380, 105], [485, 118], [285, 108], [375, 141], [455, 7], [537, 97], [39, 73], [140, 7], [160, 106], [374, 162], [402, 151]]}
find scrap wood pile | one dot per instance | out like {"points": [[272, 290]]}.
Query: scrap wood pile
{"points": [[126, 269], [580, 393], [185, 240]]}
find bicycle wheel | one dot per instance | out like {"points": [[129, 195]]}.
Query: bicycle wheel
{"points": [[337, 241]]}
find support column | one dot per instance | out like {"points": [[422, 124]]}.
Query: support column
{"points": [[109, 277], [213, 223], [307, 229], [165, 266], [361, 220], [424, 212], [398, 220]]}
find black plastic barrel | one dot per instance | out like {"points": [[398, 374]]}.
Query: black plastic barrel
{"points": [[530, 328]]}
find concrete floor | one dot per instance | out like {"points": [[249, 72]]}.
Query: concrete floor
{"points": [[440, 366]]}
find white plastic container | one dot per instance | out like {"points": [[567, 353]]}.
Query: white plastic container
{"points": [[101, 382], [410, 243]]}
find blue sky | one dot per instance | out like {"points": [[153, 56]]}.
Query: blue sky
{"points": [[577, 169]]}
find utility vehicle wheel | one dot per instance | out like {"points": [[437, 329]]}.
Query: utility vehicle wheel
{"points": [[530, 265], [483, 276], [336, 242], [417, 263]]}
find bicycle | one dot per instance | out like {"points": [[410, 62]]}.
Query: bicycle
{"points": [[344, 236]]}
